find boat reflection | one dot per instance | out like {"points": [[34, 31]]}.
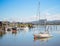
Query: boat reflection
{"points": [[42, 39], [14, 31]]}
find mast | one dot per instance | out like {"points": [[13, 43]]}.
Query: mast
{"points": [[38, 11]]}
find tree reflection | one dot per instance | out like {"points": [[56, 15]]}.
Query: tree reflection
{"points": [[2, 33]]}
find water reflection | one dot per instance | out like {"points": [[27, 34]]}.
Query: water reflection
{"points": [[42, 39], [25, 37], [14, 31], [2, 33]]}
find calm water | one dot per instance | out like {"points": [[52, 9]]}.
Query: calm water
{"points": [[26, 38]]}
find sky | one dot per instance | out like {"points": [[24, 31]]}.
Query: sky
{"points": [[27, 10]]}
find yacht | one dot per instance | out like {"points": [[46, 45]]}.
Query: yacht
{"points": [[43, 34]]}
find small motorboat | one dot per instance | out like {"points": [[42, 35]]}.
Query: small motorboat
{"points": [[8, 29], [14, 31], [14, 28], [26, 28]]}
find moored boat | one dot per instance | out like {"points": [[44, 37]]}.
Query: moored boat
{"points": [[42, 35]]}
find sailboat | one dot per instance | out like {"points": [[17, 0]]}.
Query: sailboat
{"points": [[42, 39], [43, 34]]}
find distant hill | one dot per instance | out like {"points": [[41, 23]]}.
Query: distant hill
{"points": [[44, 21], [54, 22], [38, 22]]}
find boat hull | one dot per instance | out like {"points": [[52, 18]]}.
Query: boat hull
{"points": [[42, 35]]}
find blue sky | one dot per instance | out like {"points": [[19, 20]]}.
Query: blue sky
{"points": [[26, 10]]}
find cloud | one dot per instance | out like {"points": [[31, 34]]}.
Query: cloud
{"points": [[53, 17], [51, 14], [31, 18]]}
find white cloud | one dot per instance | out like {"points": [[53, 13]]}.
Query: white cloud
{"points": [[51, 14], [53, 17]]}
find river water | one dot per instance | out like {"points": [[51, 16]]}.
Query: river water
{"points": [[26, 37]]}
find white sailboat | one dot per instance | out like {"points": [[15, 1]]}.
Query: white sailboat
{"points": [[43, 34], [42, 39]]}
